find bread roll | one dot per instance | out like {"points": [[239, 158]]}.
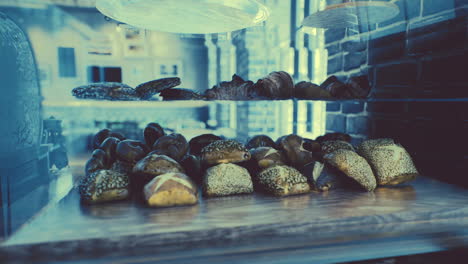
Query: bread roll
{"points": [[282, 181], [170, 189], [390, 162], [224, 151], [103, 186], [197, 143], [131, 151], [152, 132], [174, 145], [226, 179], [154, 165], [354, 166], [292, 146]]}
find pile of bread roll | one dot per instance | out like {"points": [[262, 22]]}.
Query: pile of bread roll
{"points": [[166, 170]]}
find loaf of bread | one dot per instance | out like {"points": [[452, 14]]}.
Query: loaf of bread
{"points": [[282, 181], [154, 165], [292, 146], [104, 186], [131, 151], [324, 177], [390, 162], [354, 166], [227, 179], [170, 189], [224, 151], [173, 145]]}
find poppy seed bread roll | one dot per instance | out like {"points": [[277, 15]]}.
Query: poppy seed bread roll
{"points": [[354, 166], [226, 179], [154, 165], [224, 151], [104, 186], [282, 181], [391, 163]]}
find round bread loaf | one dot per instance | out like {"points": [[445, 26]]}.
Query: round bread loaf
{"points": [[170, 189], [282, 181], [354, 166], [227, 179], [131, 151], [292, 146], [224, 151], [391, 163], [152, 132], [174, 145], [104, 186]]}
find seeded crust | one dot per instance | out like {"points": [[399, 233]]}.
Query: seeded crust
{"points": [[354, 166], [154, 165], [283, 181], [331, 146], [390, 162], [104, 185], [225, 151], [367, 145], [226, 179]]}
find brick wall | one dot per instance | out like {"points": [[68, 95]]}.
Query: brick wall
{"points": [[417, 64]]}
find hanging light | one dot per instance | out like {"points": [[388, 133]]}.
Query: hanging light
{"points": [[186, 16], [352, 13]]}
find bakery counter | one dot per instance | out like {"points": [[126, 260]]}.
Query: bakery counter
{"points": [[340, 225]]}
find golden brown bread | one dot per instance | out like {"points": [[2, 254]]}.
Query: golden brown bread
{"points": [[170, 189]]}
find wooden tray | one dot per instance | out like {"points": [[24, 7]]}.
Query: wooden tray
{"points": [[318, 227]]}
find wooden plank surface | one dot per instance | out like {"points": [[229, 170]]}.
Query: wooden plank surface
{"points": [[316, 219]]}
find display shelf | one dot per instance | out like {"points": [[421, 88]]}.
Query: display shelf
{"points": [[202, 103], [122, 104], [317, 226]]}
